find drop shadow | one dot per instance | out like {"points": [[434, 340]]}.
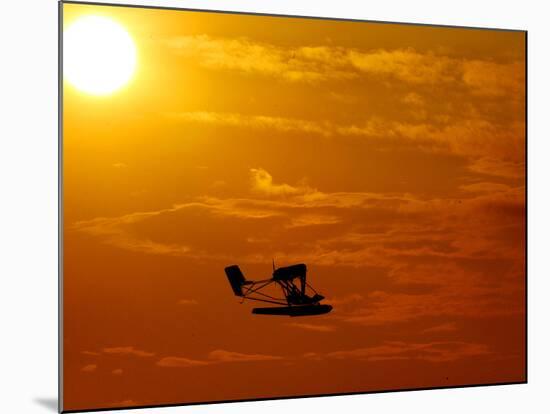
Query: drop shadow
{"points": [[49, 403]]}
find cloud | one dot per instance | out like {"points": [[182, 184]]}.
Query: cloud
{"points": [[450, 257], [412, 227], [303, 64], [89, 368], [312, 327], [114, 231], [306, 220], [473, 138], [462, 125], [312, 64], [406, 65], [296, 205], [180, 362], [296, 211], [261, 122], [128, 350], [489, 147], [220, 355], [390, 350], [394, 350], [496, 80], [444, 290], [485, 187], [215, 357], [444, 327], [490, 165], [262, 182], [413, 99], [351, 299], [91, 353]]}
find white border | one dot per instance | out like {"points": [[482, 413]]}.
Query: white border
{"points": [[28, 208]]}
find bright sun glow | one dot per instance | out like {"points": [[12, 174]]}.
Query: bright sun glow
{"points": [[99, 56]]}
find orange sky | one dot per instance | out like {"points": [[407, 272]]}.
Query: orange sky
{"points": [[388, 158]]}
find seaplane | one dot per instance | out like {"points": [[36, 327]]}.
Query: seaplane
{"points": [[298, 298]]}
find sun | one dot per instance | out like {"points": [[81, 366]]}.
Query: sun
{"points": [[99, 55]]}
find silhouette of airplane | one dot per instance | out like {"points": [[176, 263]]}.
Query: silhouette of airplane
{"points": [[291, 280]]}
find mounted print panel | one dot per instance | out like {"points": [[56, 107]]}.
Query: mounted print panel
{"points": [[260, 207]]}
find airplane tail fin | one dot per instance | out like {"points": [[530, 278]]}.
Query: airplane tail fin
{"points": [[236, 279]]}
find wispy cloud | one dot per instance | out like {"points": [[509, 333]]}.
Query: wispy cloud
{"points": [[120, 350], [406, 65], [465, 128], [445, 291], [431, 250], [312, 327], [432, 352], [89, 368], [492, 79], [181, 362], [473, 138], [444, 327], [351, 299], [486, 187], [221, 355], [413, 226], [414, 99], [261, 122], [91, 353], [304, 64], [390, 350], [262, 182], [218, 356], [324, 63], [128, 350], [494, 166]]}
